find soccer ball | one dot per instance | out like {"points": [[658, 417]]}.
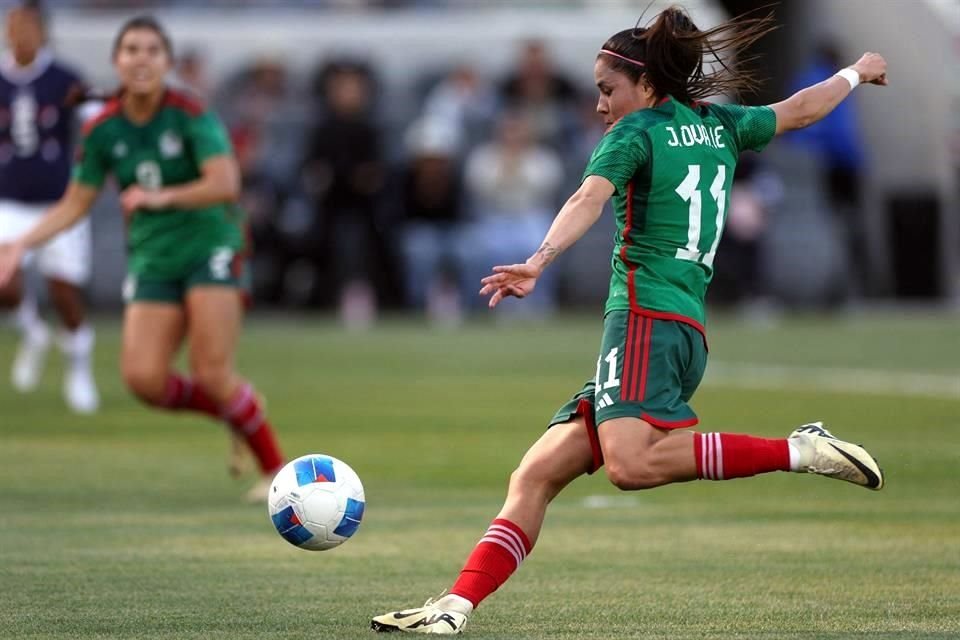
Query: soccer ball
{"points": [[316, 502]]}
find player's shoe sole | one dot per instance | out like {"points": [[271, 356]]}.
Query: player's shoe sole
{"points": [[824, 454], [429, 618]]}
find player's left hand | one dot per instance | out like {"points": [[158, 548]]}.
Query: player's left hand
{"points": [[517, 280], [11, 254], [136, 197]]}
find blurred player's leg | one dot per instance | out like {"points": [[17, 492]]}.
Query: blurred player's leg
{"points": [[34, 339], [16, 219], [76, 341], [65, 262], [152, 333], [215, 315], [561, 455]]}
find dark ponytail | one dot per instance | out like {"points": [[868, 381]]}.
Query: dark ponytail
{"points": [[673, 53]]}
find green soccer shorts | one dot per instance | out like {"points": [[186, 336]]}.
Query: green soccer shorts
{"points": [[648, 368], [224, 267]]}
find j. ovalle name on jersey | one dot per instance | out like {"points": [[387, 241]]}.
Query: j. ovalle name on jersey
{"points": [[692, 135]]}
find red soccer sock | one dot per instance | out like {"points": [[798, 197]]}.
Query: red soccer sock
{"points": [[724, 456], [498, 554], [245, 416], [183, 395]]}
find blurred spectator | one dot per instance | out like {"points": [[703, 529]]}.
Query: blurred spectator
{"points": [[431, 194], [837, 142], [343, 174], [513, 185], [546, 96], [738, 275], [465, 101], [191, 73]]}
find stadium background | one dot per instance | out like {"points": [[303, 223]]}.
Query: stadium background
{"points": [[259, 64], [125, 525]]}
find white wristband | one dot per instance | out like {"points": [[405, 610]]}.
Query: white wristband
{"points": [[850, 76]]}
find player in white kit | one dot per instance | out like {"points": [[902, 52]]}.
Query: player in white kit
{"points": [[39, 103]]}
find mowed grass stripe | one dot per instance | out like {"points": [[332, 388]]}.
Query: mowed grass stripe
{"points": [[126, 526]]}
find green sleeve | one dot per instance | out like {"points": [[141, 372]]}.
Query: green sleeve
{"points": [[91, 166], [753, 127], [208, 137], [620, 154]]}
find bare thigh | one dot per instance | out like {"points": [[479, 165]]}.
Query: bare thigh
{"points": [[215, 316], [559, 457], [638, 455], [152, 333]]}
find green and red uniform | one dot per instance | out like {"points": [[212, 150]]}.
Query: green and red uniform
{"points": [[672, 167], [170, 250]]}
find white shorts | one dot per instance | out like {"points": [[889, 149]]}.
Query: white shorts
{"points": [[65, 257]]}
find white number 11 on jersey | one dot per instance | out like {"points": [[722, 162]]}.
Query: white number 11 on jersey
{"points": [[689, 191]]}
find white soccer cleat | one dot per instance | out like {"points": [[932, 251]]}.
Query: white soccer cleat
{"points": [[260, 491], [239, 461], [442, 617], [30, 358], [823, 454], [80, 390]]}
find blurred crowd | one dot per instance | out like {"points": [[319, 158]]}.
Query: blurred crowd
{"points": [[360, 201], [348, 5], [361, 205]]}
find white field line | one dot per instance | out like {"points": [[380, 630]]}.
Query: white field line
{"points": [[832, 379]]}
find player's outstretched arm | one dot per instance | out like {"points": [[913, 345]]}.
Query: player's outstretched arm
{"points": [[813, 103], [579, 213], [74, 204], [218, 183]]}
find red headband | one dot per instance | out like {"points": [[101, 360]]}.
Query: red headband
{"points": [[617, 55]]}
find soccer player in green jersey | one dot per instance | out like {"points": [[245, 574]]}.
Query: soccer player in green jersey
{"points": [[179, 183], [667, 161]]}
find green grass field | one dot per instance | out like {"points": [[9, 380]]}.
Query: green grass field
{"points": [[125, 525]]}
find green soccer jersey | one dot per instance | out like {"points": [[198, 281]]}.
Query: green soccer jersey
{"points": [[170, 149], [672, 166]]}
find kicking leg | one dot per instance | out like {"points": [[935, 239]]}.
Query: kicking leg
{"points": [[641, 456], [561, 455]]}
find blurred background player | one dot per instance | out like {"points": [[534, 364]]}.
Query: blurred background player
{"points": [[186, 265], [667, 162], [39, 99]]}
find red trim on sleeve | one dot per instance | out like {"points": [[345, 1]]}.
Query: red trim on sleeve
{"points": [[110, 109], [184, 102]]}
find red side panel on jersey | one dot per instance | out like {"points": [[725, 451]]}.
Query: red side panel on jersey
{"points": [[631, 278]]}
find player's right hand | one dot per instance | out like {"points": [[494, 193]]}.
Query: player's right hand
{"points": [[872, 68], [11, 254], [517, 280]]}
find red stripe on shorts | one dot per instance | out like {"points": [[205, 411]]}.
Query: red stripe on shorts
{"points": [[627, 375], [637, 339], [648, 338]]}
